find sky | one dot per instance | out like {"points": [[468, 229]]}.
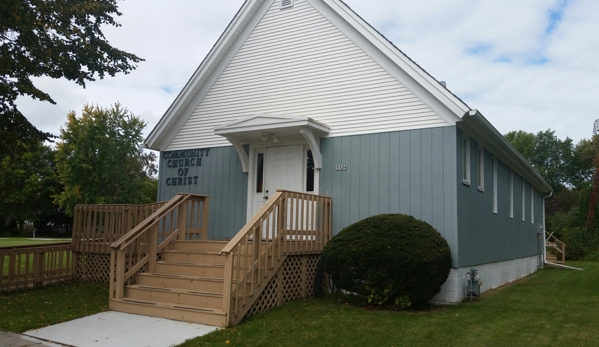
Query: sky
{"points": [[525, 65]]}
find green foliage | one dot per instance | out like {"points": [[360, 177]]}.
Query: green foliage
{"points": [[560, 162], [58, 39], [389, 260], [27, 183], [100, 160]]}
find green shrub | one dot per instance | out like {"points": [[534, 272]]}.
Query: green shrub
{"points": [[389, 260]]}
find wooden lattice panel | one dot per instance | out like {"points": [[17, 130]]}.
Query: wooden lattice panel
{"points": [[92, 267], [293, 281]]}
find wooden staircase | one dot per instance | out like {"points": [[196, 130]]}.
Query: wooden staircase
{"points": [[166, 266], [553, 242], [187, 285]]}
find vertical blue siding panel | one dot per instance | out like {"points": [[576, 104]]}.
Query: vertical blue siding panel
{"points": [[364, 177], [384, 174], [346, 183], [394, 176], [437, 179], [426, 175], [415, 174], [354, 201], [405, 185], [374, 175]]}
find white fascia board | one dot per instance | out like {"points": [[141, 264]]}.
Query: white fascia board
{"points": [[187, 100], [270, 126], [385, 48], [477, 126]]}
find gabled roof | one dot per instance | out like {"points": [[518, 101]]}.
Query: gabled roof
{"points": [[249, 14]]}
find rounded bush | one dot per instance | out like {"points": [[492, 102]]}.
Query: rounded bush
{"points": [[389, 260]]}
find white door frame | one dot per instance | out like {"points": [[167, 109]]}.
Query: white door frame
{"points": [[256, 148]]}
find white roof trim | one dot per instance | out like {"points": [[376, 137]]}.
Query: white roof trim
{"points": [[262, 122]]}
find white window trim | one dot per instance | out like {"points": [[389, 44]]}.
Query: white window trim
{"points": [[466, 156], [480, 168], [523, 200], [532, 204], [495, 185], [511, 193]]}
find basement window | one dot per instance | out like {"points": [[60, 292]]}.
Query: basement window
{"points": [[286, 4]]}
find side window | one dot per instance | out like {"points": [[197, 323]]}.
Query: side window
{"points": [[523, 199], [465, 160], [495, 192], [511, 193], [480, 168]]}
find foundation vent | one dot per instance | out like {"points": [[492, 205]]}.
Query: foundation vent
{"points": [[286, 4]]}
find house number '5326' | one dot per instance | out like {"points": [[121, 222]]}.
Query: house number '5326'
{"points": [[341, 167]]}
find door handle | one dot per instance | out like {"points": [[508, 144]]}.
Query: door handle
{"points": [[266, 198]]}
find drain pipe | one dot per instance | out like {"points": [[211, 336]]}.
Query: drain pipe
{"points": [[544, 230]]}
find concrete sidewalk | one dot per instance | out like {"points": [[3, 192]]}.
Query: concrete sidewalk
{"points": [[114, 329], [8, 339]]}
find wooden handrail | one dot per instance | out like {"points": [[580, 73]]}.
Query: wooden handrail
{"points": [[289, 223], [137, 250], [555, 245], [42, 245], [150, 220], [248, 226]]}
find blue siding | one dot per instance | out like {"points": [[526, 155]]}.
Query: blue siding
{"points": [[411, 172], [486, 237], [220, 176]]}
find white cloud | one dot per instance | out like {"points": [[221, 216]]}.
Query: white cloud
{"points": [[496, 55]]}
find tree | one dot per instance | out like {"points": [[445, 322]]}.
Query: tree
{"points": [[100, 159], [552, 157], [58, 39], [28, 182]]}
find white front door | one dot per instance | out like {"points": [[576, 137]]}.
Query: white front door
{"points": [[282, 169]]}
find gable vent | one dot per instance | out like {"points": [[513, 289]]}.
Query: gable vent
{"points": [[286, 4]]}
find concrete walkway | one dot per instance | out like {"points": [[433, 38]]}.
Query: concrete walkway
{"points": [[15, 340], [115, 329]]}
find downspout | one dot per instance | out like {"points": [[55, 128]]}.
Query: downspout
{"points": [[544, 228]]}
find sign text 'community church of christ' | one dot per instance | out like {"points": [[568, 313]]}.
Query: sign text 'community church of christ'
{"points": [[182, 161]]}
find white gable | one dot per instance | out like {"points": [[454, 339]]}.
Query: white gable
{"points": [[297, 63]]}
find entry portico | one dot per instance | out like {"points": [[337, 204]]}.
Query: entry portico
{"points": [[284, 153]]}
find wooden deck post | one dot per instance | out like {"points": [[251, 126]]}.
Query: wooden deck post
{"points": [[227, 287], [120, 274], [205, 214], [38, 268]]}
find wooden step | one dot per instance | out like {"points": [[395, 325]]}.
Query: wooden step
{"points": [[206, 284], [179, 312], [190, 269], [190, 245], [191, 256], [175, 296]]}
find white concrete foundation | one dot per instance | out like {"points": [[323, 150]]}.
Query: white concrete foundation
{"points": [[493, 275]]}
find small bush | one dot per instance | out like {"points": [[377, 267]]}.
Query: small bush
{"points": [[389, 260]]}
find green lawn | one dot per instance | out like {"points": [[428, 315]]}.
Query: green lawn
{"points": [[22, 241], [553, 307], [36, 308]]}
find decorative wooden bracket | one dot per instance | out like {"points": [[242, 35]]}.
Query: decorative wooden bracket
{"points": [[309, 136], [243, 157]]}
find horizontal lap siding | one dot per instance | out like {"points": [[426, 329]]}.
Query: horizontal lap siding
{"points": [[410, 172], [297, 63], [220, 176], [486, 237]]}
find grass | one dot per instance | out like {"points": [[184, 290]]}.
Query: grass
{"points": [[23, 241], [553, 307], [37, 308]]}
